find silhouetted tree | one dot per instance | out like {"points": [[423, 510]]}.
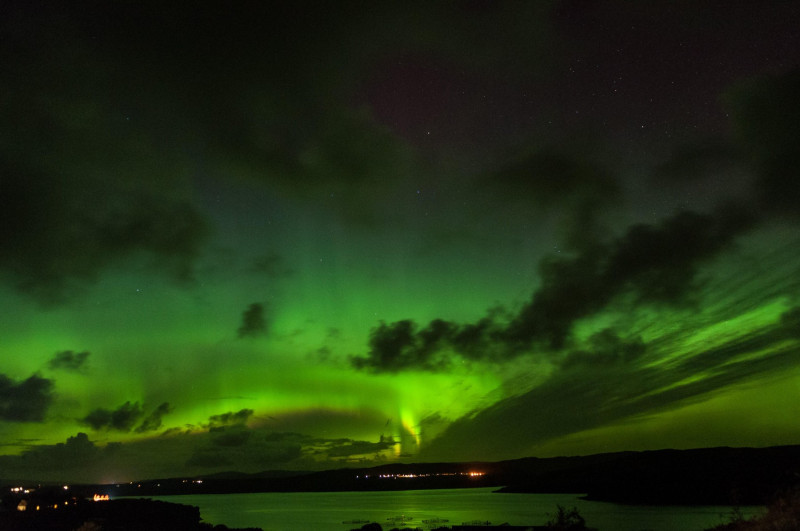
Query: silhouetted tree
{"points": [[567, 519]]}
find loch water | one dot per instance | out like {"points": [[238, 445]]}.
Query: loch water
{"points": [[341, 511]]}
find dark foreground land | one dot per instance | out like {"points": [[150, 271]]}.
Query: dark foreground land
{"points": [[708, 476], [111, 515]]}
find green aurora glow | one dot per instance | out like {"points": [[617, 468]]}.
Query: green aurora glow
{"points": [[276, 237]]}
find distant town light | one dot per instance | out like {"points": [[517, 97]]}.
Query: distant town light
{"points": [[100, 497]]}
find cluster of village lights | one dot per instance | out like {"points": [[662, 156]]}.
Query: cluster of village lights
{"points": [[26, 502], [406, 476]]}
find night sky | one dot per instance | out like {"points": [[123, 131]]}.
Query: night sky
{"points": [[265, 235]]}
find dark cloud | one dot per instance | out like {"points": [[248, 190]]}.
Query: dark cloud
{"points": [[230, 418], [233, 447], [402, 345], [95, 162], [694, 161], [208, 459], [236, 436], [294, 116], [767, 118], [605, 348], [152, 421], [254, 321], [396, 346], [121, 419], [62, 233], [278, 436], [25, 401], [54, 462], [246, 448], [758, 163], [350, 448], [69, 360], [609, 381], [657, 264], [21, 443], [322, 354], [267, 451], [790, 322], [76, 451], [331, 421], [556, 181], [271, 265], [284, 454], [112, 447]]}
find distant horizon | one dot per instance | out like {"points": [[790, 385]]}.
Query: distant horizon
{"points": [[6, 482], [300, 236]]}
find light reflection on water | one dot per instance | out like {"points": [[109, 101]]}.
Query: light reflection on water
{"points": [[306, 511]]}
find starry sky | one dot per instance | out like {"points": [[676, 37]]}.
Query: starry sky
{"points": [[292, 235]]}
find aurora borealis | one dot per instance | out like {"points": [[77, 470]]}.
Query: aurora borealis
{"points": [[251, 236]]}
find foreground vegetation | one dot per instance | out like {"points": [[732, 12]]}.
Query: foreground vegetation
{"points": [[783, 514]]}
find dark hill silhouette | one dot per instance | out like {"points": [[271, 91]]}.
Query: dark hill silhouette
{"points": [[725, 476]]}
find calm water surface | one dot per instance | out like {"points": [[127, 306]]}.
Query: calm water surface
{"points": [[307, 511]]}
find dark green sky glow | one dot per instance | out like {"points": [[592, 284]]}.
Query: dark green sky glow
{"points": [[274, 235]]}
